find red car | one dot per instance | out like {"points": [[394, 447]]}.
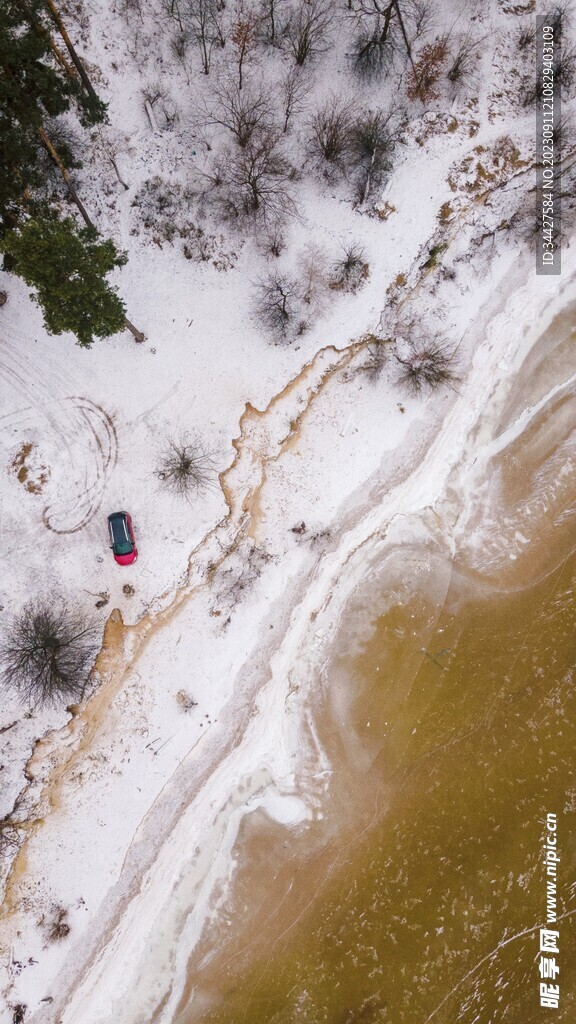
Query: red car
{"points": [[122, 538]]}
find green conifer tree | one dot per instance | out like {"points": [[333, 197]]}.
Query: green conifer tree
{"points": [[67, 267], [33, 88]]}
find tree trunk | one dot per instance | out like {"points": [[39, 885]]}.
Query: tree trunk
{"points": [[75, 58], [133, 330], [404, 35], [63, 171], [118, 175], [67, 67]]}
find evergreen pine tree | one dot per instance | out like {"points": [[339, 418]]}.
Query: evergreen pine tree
{"points": [[67, 267], [33, 87]]}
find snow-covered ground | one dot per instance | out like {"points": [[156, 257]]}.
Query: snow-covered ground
{"points": [[123, 814]]}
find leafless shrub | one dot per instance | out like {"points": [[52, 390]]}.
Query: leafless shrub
{"points": [[308, 31], [374, 138], [564, 60], [426, 368], [350, 271], [564, 132], [186, 467], [277, 306], [55, 926], [234, 582], [294, 91], [241, 111], [162, 207], [377, 353], [46, 653], [462, 63], [11, 835], [19, 1013], [180, 44], [554, 16], [313, 276], [186, 701], [333, 131], [272, 242]]}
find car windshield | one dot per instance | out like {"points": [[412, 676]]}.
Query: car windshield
{"points": [[120, 539]]}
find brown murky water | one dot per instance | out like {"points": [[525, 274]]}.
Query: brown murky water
{"points": [[450, 719]]}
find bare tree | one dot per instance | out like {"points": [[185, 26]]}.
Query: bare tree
{"points": [[313, 276], [243, 37], [186, 467], [277, 305], [254, 182], [47, 651], [175, 9], [386, 28], [294, 91], [374, 138], [332, 130], [271, 19], [242, 112], [426, 368], [203, 18], [308, 29]]}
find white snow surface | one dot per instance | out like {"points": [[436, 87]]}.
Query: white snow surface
{"points": [[132, 805]]}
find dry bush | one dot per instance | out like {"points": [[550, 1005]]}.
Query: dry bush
{"points": [[277, 306], [186, 467], [462, 64], [55, 926], [272, 241], [351, 270], [374, 138], [313, 276], [308, 30], [377, 353], [186, 701], [242, 112], [429, 366], [332, 131], [233, 583], [425, 73], [46, 653], [294, 90]]}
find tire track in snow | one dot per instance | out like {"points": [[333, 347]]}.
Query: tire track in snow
{"points": [[81, 432]]}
